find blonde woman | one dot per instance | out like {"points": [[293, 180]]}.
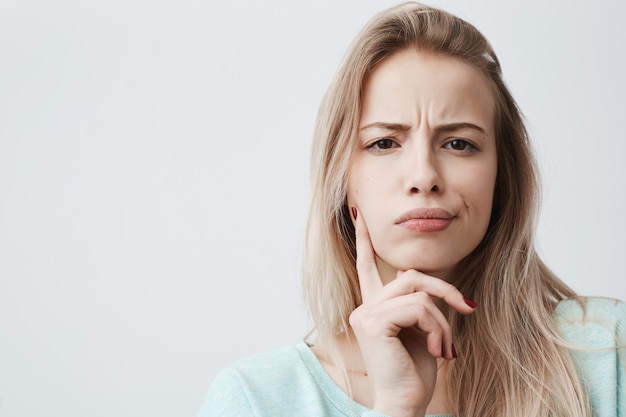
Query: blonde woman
{"points": [[421, 277]]}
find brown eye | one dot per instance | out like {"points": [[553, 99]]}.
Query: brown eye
{"points": [[459, 145], [383, 144]]}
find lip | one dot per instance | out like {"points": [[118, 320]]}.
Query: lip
{"points": [[425, 220]]}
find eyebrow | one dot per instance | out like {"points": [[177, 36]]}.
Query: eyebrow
{"points": [[443, 128], [386, 126], [459, 126]]}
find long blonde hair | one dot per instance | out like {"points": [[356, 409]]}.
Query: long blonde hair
{"points": [[512, 359]]}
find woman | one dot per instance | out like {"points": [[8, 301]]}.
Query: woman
{"points": [[424, 195]]}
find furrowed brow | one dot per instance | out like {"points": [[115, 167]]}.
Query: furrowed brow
{"points": [[452, 127], [396, 127]]}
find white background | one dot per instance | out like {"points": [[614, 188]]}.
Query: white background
{"points": [[154, 176]]}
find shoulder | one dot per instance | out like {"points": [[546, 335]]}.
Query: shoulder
{"points": [[252, 383], [591, 306], [268, 371], [594, 331], [273, 363], [592, 322], [283, 382]]}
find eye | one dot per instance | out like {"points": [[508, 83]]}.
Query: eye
{"points": [[383, 145], [461, 145]]}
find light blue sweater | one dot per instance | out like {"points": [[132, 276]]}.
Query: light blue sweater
{"points": [[291, 381]]}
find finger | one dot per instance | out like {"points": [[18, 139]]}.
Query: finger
{"points": [[414, 339], [415, 281], [369, 278], [410, 281], [439, 343], [409, 311]]}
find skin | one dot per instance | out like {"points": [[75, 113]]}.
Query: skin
{"points": [[426, 163], [426, 140]]}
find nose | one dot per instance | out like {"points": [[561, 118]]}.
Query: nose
{"points": [[423, 172]]}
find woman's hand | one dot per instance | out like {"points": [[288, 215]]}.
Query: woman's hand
{"points": [[401, 331]]}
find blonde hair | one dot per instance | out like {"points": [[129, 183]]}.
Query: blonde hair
{"points": [[512, 360]]}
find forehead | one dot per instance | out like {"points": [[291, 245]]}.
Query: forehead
{"points": [[416, 87]]}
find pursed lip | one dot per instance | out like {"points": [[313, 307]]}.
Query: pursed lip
{"points": [[425, 213], [425, 220]]}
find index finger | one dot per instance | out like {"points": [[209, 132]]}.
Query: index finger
{"points": [[366, 268], [417, 281]]}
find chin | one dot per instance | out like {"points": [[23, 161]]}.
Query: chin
{"points": [[442, 270], [438, 263], [444, 274]]}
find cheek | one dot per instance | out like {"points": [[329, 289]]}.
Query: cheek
{"points": [[352, 193], [356, 185], [484, 197], [478, 189]]}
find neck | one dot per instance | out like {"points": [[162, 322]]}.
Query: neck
{"points": [[357, 384]]}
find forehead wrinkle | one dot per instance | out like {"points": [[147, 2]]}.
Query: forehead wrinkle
{"points": [[454, 127], [387, 126], [462, 93]]}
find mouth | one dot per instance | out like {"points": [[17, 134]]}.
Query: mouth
{"points": [[425, 220]]}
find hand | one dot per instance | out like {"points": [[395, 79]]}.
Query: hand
{"points": [[401, 332]]}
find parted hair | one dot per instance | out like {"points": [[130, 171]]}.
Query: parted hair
{"points": [[512, 359]]}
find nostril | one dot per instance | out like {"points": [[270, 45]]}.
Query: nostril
{"points": [[435, 188], [414, 190]]}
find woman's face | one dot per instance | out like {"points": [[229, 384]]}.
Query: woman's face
{"points": [[424, 171]]}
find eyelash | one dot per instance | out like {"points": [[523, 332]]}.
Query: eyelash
{"points": [[469, 148], [375, 146]]}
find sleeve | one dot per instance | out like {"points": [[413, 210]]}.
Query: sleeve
{"points": [[226, 398], [597, 329], [621, 360]]}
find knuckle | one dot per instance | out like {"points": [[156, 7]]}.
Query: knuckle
{"points": [[367, 320], [422, 297], [420, 309], [449, 288], [355, 318], [436, 333], [360, 319], [411, 277]]}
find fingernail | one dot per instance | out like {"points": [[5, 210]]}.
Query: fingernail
{"points": [[354, 212], [470, 303], [454, 352]]}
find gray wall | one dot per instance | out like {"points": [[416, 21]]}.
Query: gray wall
{"points": [[153, 180]]}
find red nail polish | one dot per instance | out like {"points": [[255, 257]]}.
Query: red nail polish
{"points": [[454, 352], [470, 303], [354, 212]]}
